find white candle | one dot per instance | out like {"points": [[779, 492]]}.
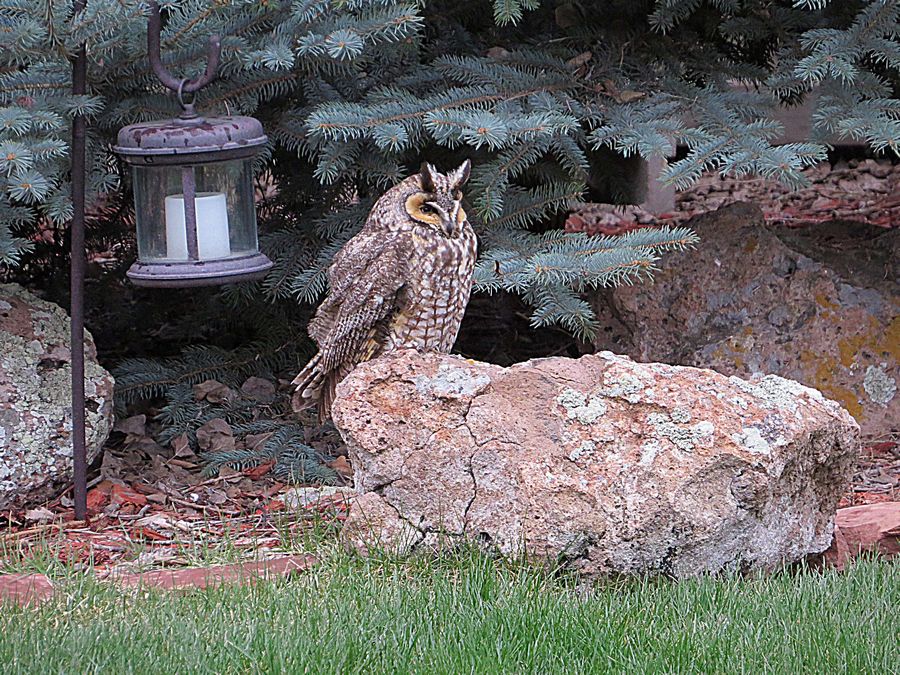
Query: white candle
{"points": [[212, 226]]}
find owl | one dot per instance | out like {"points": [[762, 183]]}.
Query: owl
{"points": [[402, 282]]}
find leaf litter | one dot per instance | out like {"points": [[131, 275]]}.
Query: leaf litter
{"points": [[152, 506]]}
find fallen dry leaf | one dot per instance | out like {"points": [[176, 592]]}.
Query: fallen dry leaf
{"points": [[121, 495], [215, 436], [216, 497], [629, 95], [341, 466], [226, 471], [579, 60], [253, 441], [183, 463], [212, 391], [182, 446], [258, 389], [39, 515], [256, 472]]}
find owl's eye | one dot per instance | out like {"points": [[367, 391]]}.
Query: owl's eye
{"points": [[419, 208]]}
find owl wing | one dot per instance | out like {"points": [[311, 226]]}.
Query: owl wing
{"points": [[366, 280]]}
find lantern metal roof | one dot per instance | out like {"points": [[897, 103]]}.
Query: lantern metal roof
{"points": [[197, 139]]}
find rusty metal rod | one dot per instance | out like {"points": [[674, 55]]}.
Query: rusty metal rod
{"points": [[189, 192], [76, 281]]}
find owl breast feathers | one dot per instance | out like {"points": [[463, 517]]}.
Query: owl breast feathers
{"points": [[402, 282]]}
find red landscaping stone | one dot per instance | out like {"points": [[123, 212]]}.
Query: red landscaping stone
{"points": [[206, 577], [25, 589], [867, 528]]}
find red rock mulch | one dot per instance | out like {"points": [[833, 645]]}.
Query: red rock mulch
{"points": [[865, 191]]}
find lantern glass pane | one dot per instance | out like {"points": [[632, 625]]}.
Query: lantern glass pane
{"points": [[151, 185], [224, 208], [234, 181]]}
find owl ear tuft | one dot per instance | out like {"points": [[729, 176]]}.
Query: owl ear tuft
{"points": [[427, 173], [459, 177]]}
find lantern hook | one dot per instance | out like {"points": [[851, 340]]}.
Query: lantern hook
{"points": [[180, 86]]}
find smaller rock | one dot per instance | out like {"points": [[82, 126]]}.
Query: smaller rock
{"points": [[865, 529], [259, 389], [36, 399]]}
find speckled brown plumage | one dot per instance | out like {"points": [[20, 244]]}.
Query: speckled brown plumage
{"points": [[402, 282]]}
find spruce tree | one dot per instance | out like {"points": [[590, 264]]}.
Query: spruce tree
{"points": [[355, 93]]}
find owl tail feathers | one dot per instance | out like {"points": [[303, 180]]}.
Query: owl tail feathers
{"points": [[316, 386], [309, 383]]}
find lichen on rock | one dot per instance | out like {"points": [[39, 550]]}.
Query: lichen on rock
{"points": [[880, 387], [581, 407], [35, 398]]}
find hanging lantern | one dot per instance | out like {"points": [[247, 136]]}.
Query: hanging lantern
{"points": [[193, 189]]}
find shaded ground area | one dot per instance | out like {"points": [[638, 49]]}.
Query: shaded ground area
{"points": [[151, 506]]}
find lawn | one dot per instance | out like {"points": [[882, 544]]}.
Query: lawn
{"points": [[466, 614]]}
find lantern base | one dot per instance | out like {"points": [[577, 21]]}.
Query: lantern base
{"points": [[200, 273]]}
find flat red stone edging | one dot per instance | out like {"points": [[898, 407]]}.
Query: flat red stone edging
{"points": [[24, 589], [871, 528], [217, 575]]}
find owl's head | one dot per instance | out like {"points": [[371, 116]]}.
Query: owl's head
{"points": [[437, 202]]}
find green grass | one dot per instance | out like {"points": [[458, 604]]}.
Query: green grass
{"points": [[466, 614]]}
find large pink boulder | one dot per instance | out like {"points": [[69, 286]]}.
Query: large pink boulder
{"points": [[604, 464]]}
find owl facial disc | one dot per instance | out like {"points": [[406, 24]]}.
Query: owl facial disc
{"points": [[439, 204]]}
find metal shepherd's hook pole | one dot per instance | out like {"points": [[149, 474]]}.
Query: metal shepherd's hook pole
{"points": [[76, 290]]}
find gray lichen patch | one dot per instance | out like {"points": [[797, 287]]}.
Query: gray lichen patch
{"points": [[580, 407], [586, 449], [453, 382], [684, 438], [879, 386], [777, 392], [681, 415], [751, 439], [627, 386]]}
